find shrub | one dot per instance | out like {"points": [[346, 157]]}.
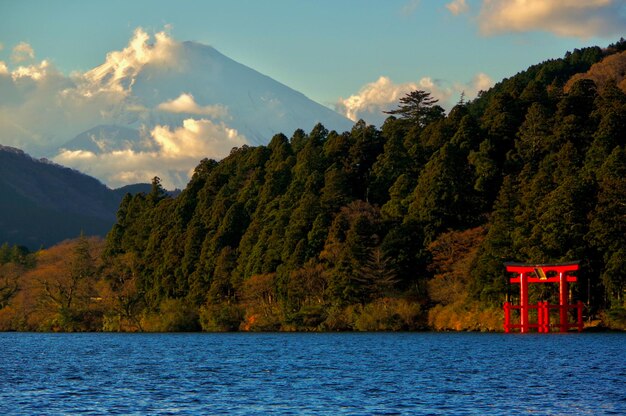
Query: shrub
{"points": [[223, 317], [389, 314], [174, 315]]}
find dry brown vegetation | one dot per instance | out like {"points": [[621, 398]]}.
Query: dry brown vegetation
{"points": [[610, 69]]}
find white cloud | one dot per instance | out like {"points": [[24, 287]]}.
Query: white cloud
{"points": [[373, 98], [33, 114], [121, 67], [573, 18], [384, 95], [179, 150], [480, 82], [116, 168], [197, 138], [185, 103], [22, 52], [35, 72], [43, 108], [457, 7]]}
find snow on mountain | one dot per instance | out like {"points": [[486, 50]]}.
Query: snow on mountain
{"points": [[169, 104]]}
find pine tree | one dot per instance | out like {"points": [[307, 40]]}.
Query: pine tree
{"points": [[418, 108]]}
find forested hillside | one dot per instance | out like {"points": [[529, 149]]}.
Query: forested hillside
{"points": [[403, 227], [42, 203]]}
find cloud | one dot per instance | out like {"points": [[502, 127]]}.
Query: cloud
{"points": [[197, 138], [178, 149], [42, 108], [457, 7], [373, 98], [383, 95], [570, 18], [119, 71], [480, 82], [185, 103], [22, 52], [33, 113], [35, 72]]}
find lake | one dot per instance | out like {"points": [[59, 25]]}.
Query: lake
{"points": [[299, 374]]}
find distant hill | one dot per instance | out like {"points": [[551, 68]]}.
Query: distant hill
{"points": [[42, 203]]}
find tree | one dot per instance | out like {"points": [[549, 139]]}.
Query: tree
{"points": [[444, 197], [498, 246], [573, 118], [352, 235], [259, 297], [9, 274], [354, 154], [336, 190], [66, 278], [418, 108], [307, 285], [607, 230], [453, 254], [535, 136], [377, 276], [157, 192], [122, 295], [390, 164]]}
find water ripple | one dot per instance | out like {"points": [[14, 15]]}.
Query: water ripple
{"points": [[312, 374]]}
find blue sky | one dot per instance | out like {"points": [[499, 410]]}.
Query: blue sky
{"points": [[356, 57], [324, 48]]}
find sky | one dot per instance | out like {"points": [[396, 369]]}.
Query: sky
{"points": [[356, 57]]}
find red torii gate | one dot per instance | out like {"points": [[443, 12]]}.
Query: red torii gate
{"points": [[538, 273]]}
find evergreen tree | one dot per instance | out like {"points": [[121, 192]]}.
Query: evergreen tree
{"points": [[489, 283], [607, 230], [444, 197], [418, 108], [391, 163]]}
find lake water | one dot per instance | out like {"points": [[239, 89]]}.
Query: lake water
{"points": [[293, 374]]}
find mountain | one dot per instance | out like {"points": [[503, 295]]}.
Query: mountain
{"points": [[42, 203], [194, 104], [254, 104]]}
